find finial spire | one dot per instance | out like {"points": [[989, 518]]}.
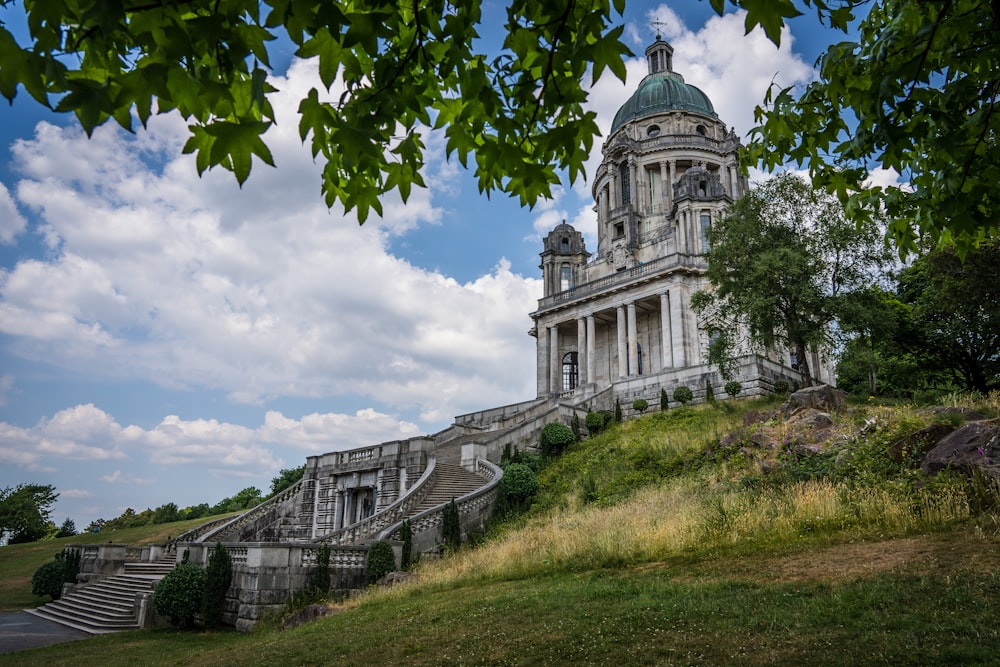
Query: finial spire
{"points": [[657, 24]]}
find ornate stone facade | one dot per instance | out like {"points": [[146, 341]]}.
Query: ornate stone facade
{"points": [[620, 318]]}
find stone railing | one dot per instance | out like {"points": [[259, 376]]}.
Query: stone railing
{"points": [[251, 515], [619, 278], [476, 503], [395, 512], [195, 533]]}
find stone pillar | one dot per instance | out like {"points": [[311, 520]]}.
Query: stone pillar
{"points": [[591, 349], [664, 186], [612, 188], [734, 182], [542, 360], [633, 342], [673, 179], [622, 350], [667, 355], [634, 190], [581, 351], [555, 363], [677, 328]]}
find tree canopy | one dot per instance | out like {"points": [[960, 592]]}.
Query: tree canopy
{"points": [[517, 114], [25, 511], [781, 263], [915, 93]]}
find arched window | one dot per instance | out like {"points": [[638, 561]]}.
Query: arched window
{"points": [[571, 371], [564, 244], [706, 225], [565, 278]]}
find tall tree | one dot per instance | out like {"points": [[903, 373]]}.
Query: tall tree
{"points": [[780, 263], [916, 93], [24, 512], [956, 314], [516, 113]]}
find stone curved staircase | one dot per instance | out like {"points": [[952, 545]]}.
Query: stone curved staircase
{"points": [[107, 605]]}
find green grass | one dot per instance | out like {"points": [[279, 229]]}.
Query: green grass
{"points": [[656, 544]]}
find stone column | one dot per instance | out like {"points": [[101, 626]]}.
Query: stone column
{"points": [[612, 188], [622, 350], [734, 182], [581, 351], [555, 363], [664, 186], [667, 354], [542, 354], [633, 342], [673, 179], [591, 349], [634, 190], [677, 328]]}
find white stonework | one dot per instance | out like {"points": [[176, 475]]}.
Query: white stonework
{"points": [[621, 317]]}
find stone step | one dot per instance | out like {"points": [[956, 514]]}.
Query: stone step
{"points": [[107, 605]]}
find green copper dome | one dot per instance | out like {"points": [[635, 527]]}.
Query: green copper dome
{"points": [[661, 92]]}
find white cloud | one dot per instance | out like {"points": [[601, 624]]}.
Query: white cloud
{"points": [[75, 493], [12, 223], [158, 275], [118, 477]]}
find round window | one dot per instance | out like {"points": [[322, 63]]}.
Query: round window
{"points": [[653, 131]]}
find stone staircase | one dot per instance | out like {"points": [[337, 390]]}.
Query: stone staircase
{"points": [[107, 605], [452, 481]]}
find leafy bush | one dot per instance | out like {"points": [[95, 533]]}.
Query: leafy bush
{"points": [[780, 387], [519, 483], [218, 577], [49, 578], [180, 594], [683, 395], [530, 459], [555, 438], [71, 557], [594, 423], [618, 411], [640, 405], [609, 416], [709, 392], [733, 388], [664, 401], [574, 426], [319, 579], [381, 560], [451, 527], [406, 534]]}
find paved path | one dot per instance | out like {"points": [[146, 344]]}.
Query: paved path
{"points": [[20, 630]]}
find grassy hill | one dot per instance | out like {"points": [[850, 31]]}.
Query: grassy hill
{"points": [[666, 541]]}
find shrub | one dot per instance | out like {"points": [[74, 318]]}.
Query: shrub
{"points": [[618, 411], [319, 579], [530, 459], [555, 438], [574, 426], [709, 392], [733, 388], [664, 401], [780, 387], [640, 405], [609, 416], [218, 577], [179, 595], [71, 557], [452, 526], [381, 560], [406, 534], [519, 483], [594, 423], [49, 578], [683, 395]]}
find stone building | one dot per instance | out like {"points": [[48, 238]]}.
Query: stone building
{"points": [[620, 318]]}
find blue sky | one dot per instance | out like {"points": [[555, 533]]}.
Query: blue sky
{"points": [[170, 338]]}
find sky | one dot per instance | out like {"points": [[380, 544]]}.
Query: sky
{"points": [[170, 338]]}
